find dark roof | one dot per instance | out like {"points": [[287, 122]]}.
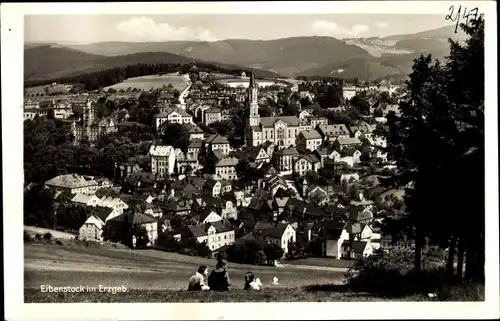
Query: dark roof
{"points": [[102, 212], [360, 214], [133, 218], [274, 230]]}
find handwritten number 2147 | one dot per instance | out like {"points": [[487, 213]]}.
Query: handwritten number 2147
{"points": [[456, 16]]}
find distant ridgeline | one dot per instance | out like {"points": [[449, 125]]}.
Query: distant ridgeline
{"points": [[109, 77]]}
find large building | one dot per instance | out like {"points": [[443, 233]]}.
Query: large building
{"points": [[280, 130], [162, 160]]}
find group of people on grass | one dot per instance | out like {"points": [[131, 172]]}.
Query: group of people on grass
{"points": [[219, 280]]}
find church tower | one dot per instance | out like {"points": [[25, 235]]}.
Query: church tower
{"points": [[253, 101], [253, 115]]}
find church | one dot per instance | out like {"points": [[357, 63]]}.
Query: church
{"points": [[279, 130]]}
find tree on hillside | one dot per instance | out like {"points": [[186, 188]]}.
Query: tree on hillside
{"points": [[438, 142], [176, 135], [361, 105]]}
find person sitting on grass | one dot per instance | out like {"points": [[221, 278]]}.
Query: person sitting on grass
{"points": [[219, 278], [249, 277], [197, 281]]}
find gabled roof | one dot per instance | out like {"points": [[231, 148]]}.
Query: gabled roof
{"points": [[102, 212], [290, 151], [229, 161], [133, 218], [216, 139], [270, 121], [83, 198], [334, 130], [93, 219], [310, 134], [196, 143], [360, 214], [274, 230], [348, 141], [71, 181]]}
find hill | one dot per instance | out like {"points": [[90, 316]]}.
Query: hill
{"points": [[439, 33], [364, 58], [46, 62], [288, 56]]}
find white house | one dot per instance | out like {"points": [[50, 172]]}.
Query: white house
{"points": [[173, 116], [92, 228], [86, 199], [333, 244], [162, 160], [226, 168], [309, 139], [214, 234], [282, 234]]}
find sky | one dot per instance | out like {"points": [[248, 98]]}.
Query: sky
{"points": [[211, 27]]}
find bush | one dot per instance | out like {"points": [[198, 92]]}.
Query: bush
{"points": [[47, 236], [38, 236], [58, 242], [26, 237], [391, 274]]}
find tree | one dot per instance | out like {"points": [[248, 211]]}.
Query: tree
{"points": [[176, 135], [361, 105], [441, 133], [273, 251]]}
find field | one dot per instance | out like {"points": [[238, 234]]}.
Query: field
{"points": [[155, 81], [147, 269], [51, 89]]}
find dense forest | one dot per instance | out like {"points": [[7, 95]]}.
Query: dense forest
{"points": [[109, 77]]}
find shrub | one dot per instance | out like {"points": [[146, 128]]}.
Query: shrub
{"points": [[392, 274], [26, 237], [47, 236], [58, 242], [38, 236]]}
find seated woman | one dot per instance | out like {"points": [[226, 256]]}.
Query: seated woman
{"points": [[249, 277], [219, 278], [197, 281]]}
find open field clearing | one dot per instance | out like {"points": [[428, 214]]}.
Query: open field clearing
{"points": [[146, 269], [155, 81], [171, 296], [32, 230], [51, 89]]}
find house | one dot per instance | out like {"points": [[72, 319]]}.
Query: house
{"points": [[306, 163], [284, 159], [212, 188], [218, 142], [348, 92], [172, 116], [207, 215], [132, 217], [212, 115], [304, 114], [363, 129], [92, 229], [350, 155], [258, 155], [162, 160], [343, 142], [195, 132], [333, 132], [359, 231], [324, 153], [309, 139], [334, 238], [105, 213], [360, 215], [225, 114], [318, 195], [316, 121], [279, 233], [349, 177], [74, 184], [356, 249], [113, 202], [226, 168], [195, 146], [214, 234], [86, 199]]}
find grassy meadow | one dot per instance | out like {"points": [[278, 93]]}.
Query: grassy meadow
{"points": [[154, 81]]}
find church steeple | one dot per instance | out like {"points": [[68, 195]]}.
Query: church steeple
{"points": [[252, 80]]}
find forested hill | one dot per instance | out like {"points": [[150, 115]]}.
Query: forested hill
{"points": [[46, 63]]}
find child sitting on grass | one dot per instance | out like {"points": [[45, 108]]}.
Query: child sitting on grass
{"points": [[197, 281], [252, 283]]}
